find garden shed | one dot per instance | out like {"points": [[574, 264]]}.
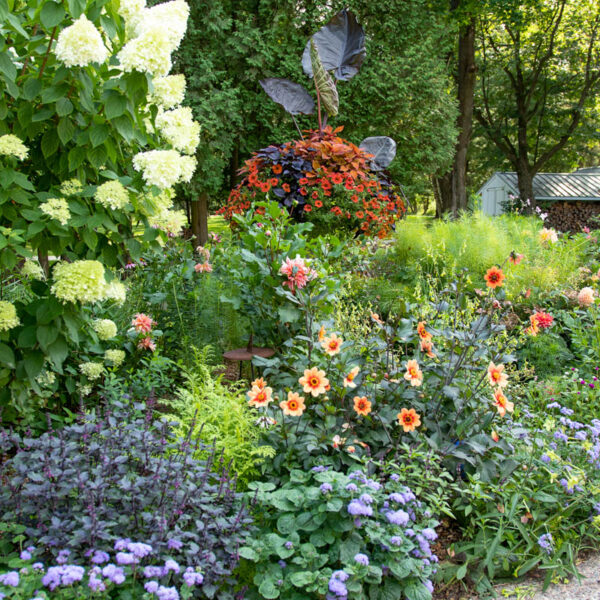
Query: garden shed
{"points": [[571, 199]]}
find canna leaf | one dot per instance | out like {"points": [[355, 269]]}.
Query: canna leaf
{"points": [[324, 83]]}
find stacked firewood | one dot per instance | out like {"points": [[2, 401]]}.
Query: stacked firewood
{"points": [[573, 216]]}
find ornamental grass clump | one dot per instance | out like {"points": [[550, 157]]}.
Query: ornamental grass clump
{"points": [[327, 534], [117, 473]]}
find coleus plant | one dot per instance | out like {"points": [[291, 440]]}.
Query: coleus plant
{"points": [[323, 177]]}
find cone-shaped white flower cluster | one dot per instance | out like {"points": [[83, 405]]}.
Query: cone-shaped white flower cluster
{"points": [[80, 44]]}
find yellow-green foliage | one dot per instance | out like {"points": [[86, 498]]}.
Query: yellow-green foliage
{"points": [[476, 242], [220, 414]]}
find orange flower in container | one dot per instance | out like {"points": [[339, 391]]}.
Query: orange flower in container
{"points": [[494, 277], [314, 382], [409, 419], [362, 406], [294, 406]]}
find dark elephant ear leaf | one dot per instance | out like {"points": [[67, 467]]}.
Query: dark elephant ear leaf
{"points": [[383, 150], [341, 46], [324, 83], [292, 96]]}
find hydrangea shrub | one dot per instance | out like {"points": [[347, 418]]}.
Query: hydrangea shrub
{"points": [[327, 534], [92, 140], [117, 474]]}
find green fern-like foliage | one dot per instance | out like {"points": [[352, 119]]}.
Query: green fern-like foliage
{"points": [[219, 414]]}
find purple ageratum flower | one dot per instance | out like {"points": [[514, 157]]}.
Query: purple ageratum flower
{"points": [[409, 532], [565, 484], [126, 558], [396, 540], [336, 584], [171, 565], [10, 579], [566, 411], [289, 545], [560, 436], [174, 544], [340, 575], [361, 559], [374, 485], [319, 469], [192, 577], [37, 566], [581, 436], [545, 543], [151, 586], [63, 556], [395, 477], [62, 575], [25, 555], [366, 499], [352, 487], [282, 564], [325, 488], [165, 593], [398, 498], [553, 405], [139, 550], [429, 534], [428, 585], [95, 583], [153, 571], [100, 557], [114, 573], [357, 508], [398, 517], [121, 545]]}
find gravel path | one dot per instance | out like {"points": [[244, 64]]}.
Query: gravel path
{"points": [[531, 589]]}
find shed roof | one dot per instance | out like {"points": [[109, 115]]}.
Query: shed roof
{"points": [[559, 186]]}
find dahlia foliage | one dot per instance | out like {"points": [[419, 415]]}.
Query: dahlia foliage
{"points": [[323, 179]]}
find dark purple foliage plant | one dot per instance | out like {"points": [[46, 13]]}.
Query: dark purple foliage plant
{"points": [[121, 473]]}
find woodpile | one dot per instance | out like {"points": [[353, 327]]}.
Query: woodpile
{"points": [[573, 216]]}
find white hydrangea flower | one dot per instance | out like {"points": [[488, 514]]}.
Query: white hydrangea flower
{"points": [[164, 168], [158, 202], [84, 390], [112, 194], [148, 53], [80, 44], [81, 280], [170, 17], [168, 91], [105, 328], [57, 208], [179, 129], [92, 370], [46, 378], [116, 357], [11, 145], [115, 291], [8, 316], [169, 221], [32, 268], [131, 10], [71, 187]]}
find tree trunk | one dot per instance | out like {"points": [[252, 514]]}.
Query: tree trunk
{"points": [[200, 220], [525, 175], [466, 92], [452, 187], [234, 165]]}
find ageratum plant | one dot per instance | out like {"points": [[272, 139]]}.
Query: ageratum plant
{"points": [[323, 177], [327, 534], [118, 473]]}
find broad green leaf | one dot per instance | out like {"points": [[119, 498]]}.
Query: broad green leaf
{"points": [[66, 130], [76, 8], [76, 157], [49, 142], [64, 107], [7, 356], [302, 578], [52, 14], [7, 66], [48, 311], [31, 88], [58, 351], [46, 335], [98, 133], [33, 362], [115, 106]]}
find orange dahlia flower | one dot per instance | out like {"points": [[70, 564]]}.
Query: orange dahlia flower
{"points": [[502, 403], [349, 379], [362, 406], [496, 376], [423, 333], [494, 277], [427, 347], [294, 406], [314, 381], [260, 396], [409, 419], [332, 344], [413, 373]]}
